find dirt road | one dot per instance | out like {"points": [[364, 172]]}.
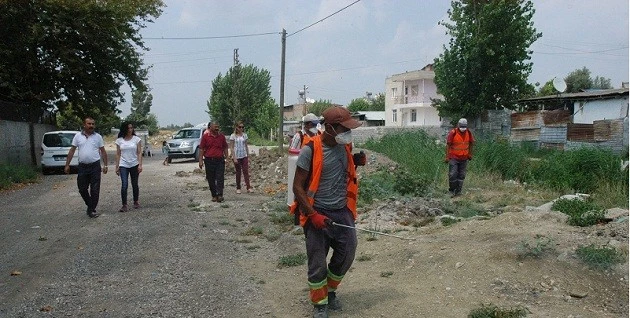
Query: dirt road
{"points": [[182, 255]]}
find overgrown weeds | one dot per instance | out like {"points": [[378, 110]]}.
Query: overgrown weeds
{"points": [[536, 248], [13, 174], [292, 260], [599, 257], [581, 212]]}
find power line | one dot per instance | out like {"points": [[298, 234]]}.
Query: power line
{"points": [[330, 15], [213, 37]]}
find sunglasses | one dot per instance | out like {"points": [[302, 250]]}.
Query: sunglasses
{"points": [[241, 126]]}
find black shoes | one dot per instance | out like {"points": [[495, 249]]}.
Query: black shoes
{"points": [[220, 199], [93, 215], [333, 302], [320, 311]]}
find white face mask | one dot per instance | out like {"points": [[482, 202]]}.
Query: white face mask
{"points": [[462, 129], [344, 138], [313, 130]]}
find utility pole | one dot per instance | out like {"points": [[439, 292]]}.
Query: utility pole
{"points": [[280, 129], [236, 109], [305, 106]]}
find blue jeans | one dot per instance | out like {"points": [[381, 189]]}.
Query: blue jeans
{"points": [[89, 184], [124, 177]]}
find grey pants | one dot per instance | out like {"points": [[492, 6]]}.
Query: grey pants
{"points": [[456, 175], [343, 242]]}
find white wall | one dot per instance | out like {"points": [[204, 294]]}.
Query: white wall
{"points": [[588, 111]]}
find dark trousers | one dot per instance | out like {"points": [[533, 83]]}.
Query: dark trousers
{"points": [[215, 174], [124, 178], [343, 242], [242, 165], [89, 184], [456, 175]]}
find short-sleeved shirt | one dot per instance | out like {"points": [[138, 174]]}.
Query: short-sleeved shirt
{"points": [[240, 150], [331, 194], [89, 147], [214, 145], [128, 151]]}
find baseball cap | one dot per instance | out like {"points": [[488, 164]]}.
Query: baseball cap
{"points": [[340, 115], [310, 117], [462, 122]]}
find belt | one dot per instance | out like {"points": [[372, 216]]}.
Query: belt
{"points": [[89, 164], [214, 158]]}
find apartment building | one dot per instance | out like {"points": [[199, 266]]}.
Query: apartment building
{"points": [[408, 99]]}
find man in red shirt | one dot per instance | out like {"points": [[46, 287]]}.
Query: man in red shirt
{"points": [[214, 148], [459, 144]]}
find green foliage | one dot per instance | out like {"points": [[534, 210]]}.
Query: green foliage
{"points": [[540, 246], [407, 183], [58, 53], [319, 106], [447, 221], [378, 104], [359, 105], [253, 231], [364, 258], [580, 212], [376, 186], [387, 274], [580, 80], [292, 260], [486, 62], [599, 257], [547, 89], [243, 94], [281, 217], [490, 155], [140, 117], [12, 174], [493, 311]]}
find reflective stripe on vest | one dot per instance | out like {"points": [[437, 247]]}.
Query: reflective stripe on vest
{"points": [[352, 187]]}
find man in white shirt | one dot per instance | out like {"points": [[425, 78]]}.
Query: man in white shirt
{"points": [[91, 150]]}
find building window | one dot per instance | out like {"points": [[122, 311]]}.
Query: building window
{"points": [[413, 115], [394, 92], [394, 115]]}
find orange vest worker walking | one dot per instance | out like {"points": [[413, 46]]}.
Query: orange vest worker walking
{"points": [[459, 144]]}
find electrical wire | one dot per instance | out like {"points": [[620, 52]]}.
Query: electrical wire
{"points": [[330, 15], [213, 37]]}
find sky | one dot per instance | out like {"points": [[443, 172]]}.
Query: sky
{"points": [[353, 51]]}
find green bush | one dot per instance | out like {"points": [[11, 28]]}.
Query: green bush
{"points": [[599, 257], [581, 212], [12, 174], [493, 311], [376, 186], [536, 249], [292, 260]]}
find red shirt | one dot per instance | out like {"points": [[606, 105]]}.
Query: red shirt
{"points": [[214, 146]]}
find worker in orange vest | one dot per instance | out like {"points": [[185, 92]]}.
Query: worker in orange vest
{"points": [[459, 144], [326, 188]]}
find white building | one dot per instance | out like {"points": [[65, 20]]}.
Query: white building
{"points": [[408, 99]]}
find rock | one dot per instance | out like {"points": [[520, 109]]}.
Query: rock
{"points": [[459, 264], [578, 294]]}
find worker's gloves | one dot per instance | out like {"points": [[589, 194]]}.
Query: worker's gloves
{"points": [[359, 159], [319, 221], [469, 157]]}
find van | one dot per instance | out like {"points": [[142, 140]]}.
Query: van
{"points": [[54, 151], [185, 143]]}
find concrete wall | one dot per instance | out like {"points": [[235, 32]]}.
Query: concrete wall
{"points": [[14, 141], [363, 134]]}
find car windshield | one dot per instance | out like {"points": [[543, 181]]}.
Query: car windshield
{"points": [[188, 133], [58, 140]]}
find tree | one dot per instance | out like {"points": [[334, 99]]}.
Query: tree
{"points": [[57, 54], [141, 102], [359, 105], [578, 80], [243, 94], [319, 106], [601, 83], [486, 63], [547, 89], [378, 104]]}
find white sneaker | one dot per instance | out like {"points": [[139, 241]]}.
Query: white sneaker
{"points": [[238, 191]]}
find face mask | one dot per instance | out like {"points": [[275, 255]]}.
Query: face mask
{"points": [[344, 138], [462, 129], [313, 130]]}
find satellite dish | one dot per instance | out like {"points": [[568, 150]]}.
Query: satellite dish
{"points": [[559, 84]]}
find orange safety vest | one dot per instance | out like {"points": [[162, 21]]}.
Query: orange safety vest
{"points": [[316, 173], [460, 145]]}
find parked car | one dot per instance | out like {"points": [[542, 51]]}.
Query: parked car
{"points": [[54, 151], [185, 143]]}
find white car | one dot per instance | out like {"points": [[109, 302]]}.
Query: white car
{"points": [[54, 150]]}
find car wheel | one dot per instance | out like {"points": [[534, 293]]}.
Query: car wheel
{"points": [[197, 154]]}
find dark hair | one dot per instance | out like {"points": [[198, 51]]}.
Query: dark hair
{"points": [[123, 129]]}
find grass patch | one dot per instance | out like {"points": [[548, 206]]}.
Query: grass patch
{"points": [[493, 311], [599, 257], [193, 204], [14, 174], [536, 248], [292, 260], [253, 231], [243, 241], [252, 247], [448, 221], [272, 236], [281, 218], [581, 212], [364, 258], [387, 274]]}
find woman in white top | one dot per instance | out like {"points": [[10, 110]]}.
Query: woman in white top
{"points": [[238, 145], [128, 162]]}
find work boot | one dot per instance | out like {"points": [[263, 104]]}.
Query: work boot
{"points": [[320, 311], [333, 302]]}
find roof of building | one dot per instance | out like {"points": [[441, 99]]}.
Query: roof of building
{"points": [[373, 115], [591, 94], [412, 75]]}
